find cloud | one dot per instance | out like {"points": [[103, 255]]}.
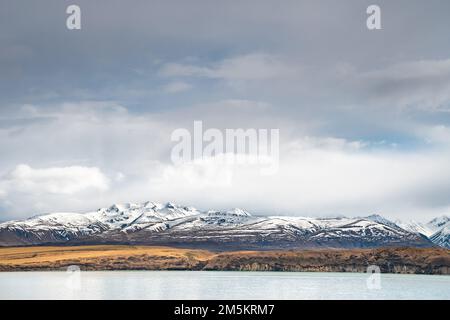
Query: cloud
{"points": [[420, 84], [85, 109], [318, 174], [318, 177], [199, 173], [176, 87], [56, 180], [63, 153], [84, 133], [254, 66], [361, 124]]}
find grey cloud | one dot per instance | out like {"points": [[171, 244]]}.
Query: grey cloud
{"points": [[43, 56], [249, 67], [423, 84], [109, 95]]}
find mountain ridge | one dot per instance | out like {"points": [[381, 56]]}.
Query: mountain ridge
{"points": [[152, 223]]}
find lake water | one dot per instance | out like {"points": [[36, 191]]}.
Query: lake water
{"points": [[219, 285]]}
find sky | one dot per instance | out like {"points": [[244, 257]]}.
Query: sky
{"points": [[86, 116]]}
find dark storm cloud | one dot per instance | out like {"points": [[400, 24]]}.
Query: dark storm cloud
{"points": [[121, 46]]}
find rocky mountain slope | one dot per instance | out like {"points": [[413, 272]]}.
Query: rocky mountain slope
{"points": [[170, 224]]}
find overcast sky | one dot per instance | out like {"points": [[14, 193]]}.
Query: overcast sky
{"points": [[364, 116]]}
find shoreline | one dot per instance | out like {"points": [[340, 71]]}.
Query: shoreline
{"points": [[155, 258]]}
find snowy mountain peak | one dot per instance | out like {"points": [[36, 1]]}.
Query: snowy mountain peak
{"points": [[415, 227], [376, 217], [380, 219], [439, 222], [238, 212], [155, 223], [170, 205], [442, 237], [152, 205], [235, 212], [121, 207]]}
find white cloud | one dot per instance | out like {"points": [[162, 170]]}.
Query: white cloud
{"points": [[317, 175], [244, 56], [199, 173], [122, 146], [119, 177], [56, 180], [176, 87], [82, 109], [326, 143], [255, 66], [90, 134]]}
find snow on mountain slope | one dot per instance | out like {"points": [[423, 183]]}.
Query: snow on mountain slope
{"points": [[442, 237], [154, 223], [416, 227], [437, 230], [56, 219], [382, 220], [439, 223], [128, 215], [441, 226], [57, 227]]}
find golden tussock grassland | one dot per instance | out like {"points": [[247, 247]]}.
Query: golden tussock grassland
{"points": [[123, 257]]}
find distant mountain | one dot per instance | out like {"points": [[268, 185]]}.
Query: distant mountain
{"points": [[416, 227], [437, 230], [442, 237], [383, 220], [439, 223], [170, 224]]}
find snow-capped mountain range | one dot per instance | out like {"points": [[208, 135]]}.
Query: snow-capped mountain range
{"points": [[437, 230], [170, 224]]}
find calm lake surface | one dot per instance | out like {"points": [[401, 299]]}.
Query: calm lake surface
{"points": [[218, 285]]}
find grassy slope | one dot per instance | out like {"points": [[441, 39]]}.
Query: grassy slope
{"points": [[118, 257]]}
